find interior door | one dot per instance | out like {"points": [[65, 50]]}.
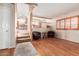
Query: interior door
{"points": [[4, 26]]}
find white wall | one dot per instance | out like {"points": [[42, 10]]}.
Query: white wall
{"points": [[1, 27], [7, 25], [71, 35], [42, 29], [12, 26], [44, 23]]}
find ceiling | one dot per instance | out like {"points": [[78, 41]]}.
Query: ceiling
{"points": [[48, 10], [51, 10]]}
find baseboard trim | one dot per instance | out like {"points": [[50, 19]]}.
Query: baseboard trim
{"points": [[7, 52], [67, 40]]}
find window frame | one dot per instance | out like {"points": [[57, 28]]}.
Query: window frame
{"points": [[70, 28]]}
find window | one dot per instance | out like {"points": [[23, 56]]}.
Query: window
{"points": [[74, 23], [58, 24], [67, 23], [62, 24], [70, 23]]}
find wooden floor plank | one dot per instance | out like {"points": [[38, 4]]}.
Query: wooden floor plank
{"points": [[50, 47], [56, 47]]}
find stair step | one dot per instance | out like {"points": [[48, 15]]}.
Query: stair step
{"points": [[23, 40], [22, 37]]}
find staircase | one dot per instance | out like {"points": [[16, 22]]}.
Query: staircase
{"points": [[24, 38]]}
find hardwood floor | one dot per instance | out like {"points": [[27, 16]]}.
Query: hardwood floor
{"points": [[56, 47], [7, 52], [50, 47]]}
